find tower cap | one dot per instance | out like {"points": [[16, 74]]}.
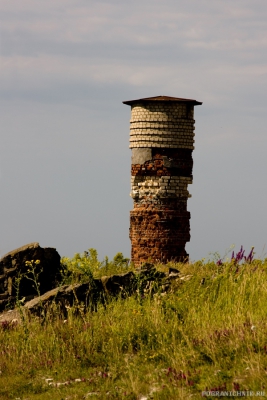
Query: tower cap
{"points": [[163, 99]]}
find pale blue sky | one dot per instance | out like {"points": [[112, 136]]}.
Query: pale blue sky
{"points": [[66, 66]]}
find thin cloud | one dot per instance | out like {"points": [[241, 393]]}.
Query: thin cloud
{"points": [[128, 23], [213, 49]]}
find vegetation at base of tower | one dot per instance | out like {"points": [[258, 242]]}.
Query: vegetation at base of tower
{"points": [[208, 333], [85, 266]]}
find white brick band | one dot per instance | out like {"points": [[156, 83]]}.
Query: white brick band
{"points": [[162, 126], [159, 186]]}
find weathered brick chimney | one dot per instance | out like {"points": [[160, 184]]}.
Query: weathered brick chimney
{"points": [[161, 140]]}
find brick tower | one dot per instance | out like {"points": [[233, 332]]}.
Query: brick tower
{"points": [[161, 140]]}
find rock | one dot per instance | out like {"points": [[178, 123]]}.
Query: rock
{"points": [[147, 266], [88, 294], [123, 284], [142, 281], [9, 316], [150, 273], [150, 280], [186, 277], [12, 265], [173, 271]]}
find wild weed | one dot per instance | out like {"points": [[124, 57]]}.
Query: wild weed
{"points": [[84, 267]]}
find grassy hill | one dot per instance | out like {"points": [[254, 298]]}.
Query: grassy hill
{"points": [[208, 333]]}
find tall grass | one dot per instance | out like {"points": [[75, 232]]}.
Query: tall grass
{"points": [[208, 333]]}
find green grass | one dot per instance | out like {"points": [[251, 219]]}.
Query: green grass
{"points": [[206, 334]]}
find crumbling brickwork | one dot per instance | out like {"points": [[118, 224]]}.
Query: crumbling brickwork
{"points": [[162, 141]]}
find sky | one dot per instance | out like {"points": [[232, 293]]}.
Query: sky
{"points": [[65, 68]]}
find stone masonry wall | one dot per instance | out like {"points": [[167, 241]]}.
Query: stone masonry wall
{"points": [[162, 125], [161, 140]]}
